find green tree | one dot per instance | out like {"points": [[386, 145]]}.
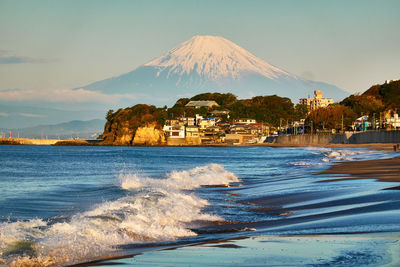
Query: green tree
{"points": [[331, 117], [109, 114]]}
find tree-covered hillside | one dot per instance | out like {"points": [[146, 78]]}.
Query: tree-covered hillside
{"points": [[376, 99], [268, 109]]}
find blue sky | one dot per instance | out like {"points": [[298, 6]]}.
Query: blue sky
{"points": [[59, 45]]}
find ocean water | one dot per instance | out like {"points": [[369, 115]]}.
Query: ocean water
{"points": [[68, 205]]}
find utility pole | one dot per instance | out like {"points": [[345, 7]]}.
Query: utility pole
{"points": [[342, 123], [287, 125], [374, 123]]}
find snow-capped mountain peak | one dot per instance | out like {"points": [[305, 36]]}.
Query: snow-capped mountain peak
{"points": [[214, 58], [209, 64]]}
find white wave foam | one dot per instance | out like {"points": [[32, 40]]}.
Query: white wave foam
{"points": [[212, 174], [305, 163], [329, 154], [160, 210], [341, 155]]}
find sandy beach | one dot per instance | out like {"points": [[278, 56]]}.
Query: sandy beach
{"points": [[381, 169]]}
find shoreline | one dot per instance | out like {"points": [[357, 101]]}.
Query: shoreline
{"points": [[387, 170], [370, 146], [54, 142]]}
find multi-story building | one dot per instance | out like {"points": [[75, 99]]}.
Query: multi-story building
{"points": [[393, 122], [207, 122], [192, 131], [189, 121], [174, 131], [316, 102]]}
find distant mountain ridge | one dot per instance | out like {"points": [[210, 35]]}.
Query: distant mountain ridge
{"points": [[82, 129], [210, 63], [18, 115]]}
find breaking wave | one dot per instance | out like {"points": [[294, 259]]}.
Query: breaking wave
{"points": [[340, 155], [153, 210]]}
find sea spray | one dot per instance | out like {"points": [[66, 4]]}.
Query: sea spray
{"points": [[153, 210], [212, 174]]}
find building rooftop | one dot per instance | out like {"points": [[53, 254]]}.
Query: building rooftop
{"points": [[202, 103]]}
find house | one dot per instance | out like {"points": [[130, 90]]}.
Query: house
{"points": [[361, 124], [253, 129], [198, 118], [172, 122], [245, 121], [174, 131], [200, 104], [393, 122], [219, 112], [207, 122], [192, 131], [186, 120], [212, 131], [239, 138], [316, 102]]}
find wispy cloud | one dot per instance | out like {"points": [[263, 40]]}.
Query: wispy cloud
{"points": [[31, 115], [18, 60], [7, 57], [62, 95]]}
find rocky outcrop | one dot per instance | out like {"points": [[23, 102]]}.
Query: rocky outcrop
{"points": [[118, 133], [137, 125], [149, 135]]}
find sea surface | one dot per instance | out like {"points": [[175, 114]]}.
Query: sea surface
{"points": [[172, 205]]}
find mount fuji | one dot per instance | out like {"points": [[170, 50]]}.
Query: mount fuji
{"points": [[210, 64]]}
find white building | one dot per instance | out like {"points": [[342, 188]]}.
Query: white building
{"points": [[207, 122], [246, 121], [393, 121], [174, 131], [316, 102]]}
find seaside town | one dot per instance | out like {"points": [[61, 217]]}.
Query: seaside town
{"points": [[213, 129], [217, 128]]}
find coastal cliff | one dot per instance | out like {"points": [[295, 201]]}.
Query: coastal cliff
{"points": [[137, 125], [149, 135]]}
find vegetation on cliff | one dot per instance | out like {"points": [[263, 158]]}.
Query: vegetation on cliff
{"points": [[376, 99], [121, 126], [268, 109]]}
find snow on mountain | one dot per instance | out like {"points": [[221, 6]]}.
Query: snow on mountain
{"points": [[213, 57], [209, 64]]}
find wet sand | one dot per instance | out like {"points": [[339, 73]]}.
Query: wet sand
{"points": [[315, 250], [381, 169], [371, 146]]}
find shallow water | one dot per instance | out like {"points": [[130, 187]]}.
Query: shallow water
{"points": [[66, 205]]}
